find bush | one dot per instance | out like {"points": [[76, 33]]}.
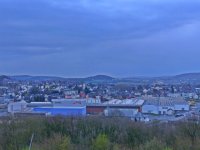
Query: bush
{"points": [[56, 142], [101, 143], [154, 144]]}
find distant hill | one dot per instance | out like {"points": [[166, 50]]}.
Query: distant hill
{"points": [[188, 78], [3, 77], [189, 75], [35, 78], [100, 78], [193, 78], [50, 78]]}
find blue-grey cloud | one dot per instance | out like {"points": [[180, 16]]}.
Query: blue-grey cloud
{"points": [[82, 37]]}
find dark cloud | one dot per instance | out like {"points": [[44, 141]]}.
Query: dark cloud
{"points": [[82, 37]]}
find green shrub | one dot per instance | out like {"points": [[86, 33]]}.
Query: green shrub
{"points": [[101, 143]]}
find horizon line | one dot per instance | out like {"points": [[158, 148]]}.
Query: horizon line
{"points": [[136, 76]]}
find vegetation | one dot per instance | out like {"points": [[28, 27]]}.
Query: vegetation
{"points": [[96, 133]]}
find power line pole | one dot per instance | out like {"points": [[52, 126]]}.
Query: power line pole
{"points": [[31, 141]]}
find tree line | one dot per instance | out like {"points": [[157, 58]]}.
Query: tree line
{"points": [[96, 133]]}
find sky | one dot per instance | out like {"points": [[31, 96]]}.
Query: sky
{"points": [[78, 38]]}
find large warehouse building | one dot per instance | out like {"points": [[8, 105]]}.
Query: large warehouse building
{"points": [[64, 107], [164, 106], [116, 107]]}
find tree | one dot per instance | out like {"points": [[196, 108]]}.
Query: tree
{"points": [[192, 131], [87, 90], [34, 90], [55, 142], [65, 144], [101, 143], [154, 144], [135, 137], [39, 98]]}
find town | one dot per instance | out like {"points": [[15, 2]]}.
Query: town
{"points": [[99, 96]]}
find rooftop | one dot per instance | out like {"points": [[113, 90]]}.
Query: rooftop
{"points": [[164, 101], [135, 102]]}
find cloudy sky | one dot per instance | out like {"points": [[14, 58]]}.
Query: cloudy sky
{"points": [[122, 38]]}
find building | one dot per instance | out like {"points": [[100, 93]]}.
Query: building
{"points": [[39, 104], [64, 107], [164, 105], [15, 107], [126, 108], [150, 107], [123, 112], [174, 95], [2, 100], [93, 101], [116, 107]]}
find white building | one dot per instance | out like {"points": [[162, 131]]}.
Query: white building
{"points": [[164, 106], [14, 107], [174, 95], [93, 101], [150, 109], [126, 107]]}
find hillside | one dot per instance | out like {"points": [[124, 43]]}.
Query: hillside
{"points": [[189, 76], [3, 77], [50, 78], [35, 78], [192, 78], [100, 77]]}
